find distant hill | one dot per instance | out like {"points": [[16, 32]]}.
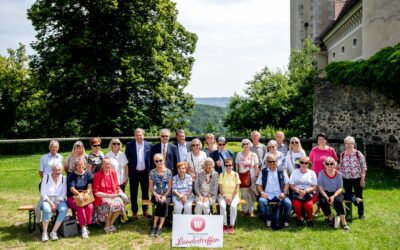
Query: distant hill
{"points": [[206, 119], [213, 101]]}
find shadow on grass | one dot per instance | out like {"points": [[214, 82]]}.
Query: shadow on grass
{"points": [[379, 177], [19, 233]]}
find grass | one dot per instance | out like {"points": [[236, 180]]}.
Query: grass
{"points": [[19, 186]]}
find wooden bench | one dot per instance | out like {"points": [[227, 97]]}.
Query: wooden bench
{"points": [[31, 215], [348, 207]]}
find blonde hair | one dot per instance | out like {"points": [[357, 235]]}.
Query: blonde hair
{"points": [[114, 140]]}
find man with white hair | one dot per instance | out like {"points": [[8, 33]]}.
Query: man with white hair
{"points": [[168, 150], [50, 158]]}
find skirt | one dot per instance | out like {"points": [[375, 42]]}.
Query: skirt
{"points": [[108, 205]]}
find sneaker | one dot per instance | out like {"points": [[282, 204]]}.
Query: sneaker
{"points": [[286, 225], [355, 201], [231, 229], [53, 236], [85, 234], [345, 228], [336, 222], [300, 223], [225, 228], [158, 232], [153, 231], [252, 214], [268, 223], [45, 237], [310, 223], [361, 217]]}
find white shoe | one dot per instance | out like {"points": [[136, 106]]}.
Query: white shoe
{"points": [[336, 222], [85, 234], [45, 237], [53, 236], [268, 223]]}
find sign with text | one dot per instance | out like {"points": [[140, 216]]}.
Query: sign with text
{"points": [[197, 231]]}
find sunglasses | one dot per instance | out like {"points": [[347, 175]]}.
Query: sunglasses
{"points": [[195, 145], [96, 146], [271, 161], [158, 161], [116, 143], [294, 142], [165, 136], [221, 144], [304, 162], [228, 166], [245, 144], [271, 147], [329, 163]]}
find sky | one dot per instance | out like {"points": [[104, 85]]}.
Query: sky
{"points": [[236, 39]]}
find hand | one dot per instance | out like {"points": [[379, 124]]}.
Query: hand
{"points": [[205, 199], [330, 199], [362, 182], [301, 193], [264, 195], [228, 201], [281, 196], [163, 198], [183, 199], [219, 163], [53, 207], [85, 196]]}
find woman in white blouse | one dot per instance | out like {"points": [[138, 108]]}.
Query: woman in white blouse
{"points": [[294, 154], [118, 161], [195, 158], [52, 195]]}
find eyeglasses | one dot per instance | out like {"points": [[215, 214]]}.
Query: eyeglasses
{"points": [[304, 162], [158, 161], [271, 147], [221, 144], [229, 166], [96, 146], [329, 163], [294, 142], [116, 143], [165, 136], [195, 145], [271, 161]]}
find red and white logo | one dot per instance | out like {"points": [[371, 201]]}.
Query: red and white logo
{"points": [[198, 224]]}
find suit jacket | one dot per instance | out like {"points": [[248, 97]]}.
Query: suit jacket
{"points": [[188, 148], [172, 156], [215, 155], [131, 154]]}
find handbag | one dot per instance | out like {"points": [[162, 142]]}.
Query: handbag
{"points": [[124, 198], [80, 202], [245, 179], [306, 197]]}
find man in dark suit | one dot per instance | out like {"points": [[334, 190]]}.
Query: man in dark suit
{"points": [[220, 155], [138, 154], [183, 147], [168, 150]]}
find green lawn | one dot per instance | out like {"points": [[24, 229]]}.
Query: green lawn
{"points": [[380, 230]]}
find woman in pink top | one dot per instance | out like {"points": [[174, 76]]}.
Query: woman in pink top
{"points": [[319, 153]]}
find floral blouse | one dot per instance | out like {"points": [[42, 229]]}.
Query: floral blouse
{"points": [[160, 182], [182, 186], [352, 165]]}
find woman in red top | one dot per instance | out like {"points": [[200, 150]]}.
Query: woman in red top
{"points": [[320, 152], [109, 202]]}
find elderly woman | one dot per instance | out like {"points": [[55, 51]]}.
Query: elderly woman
{"points": [[303, 182], [109, 203], [247, 166], [294, 154], [210, 143], [96, 156], [79, 183], [272, 149], [48, 160], [78, 152], [354, 169], [118, 161], [160, 185], [320, 152], [182, 190], [52, 198], [206, 188], [229, 184], [195, 158], [330, 185]]}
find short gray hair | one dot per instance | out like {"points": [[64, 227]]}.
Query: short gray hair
{"points": [[246, 141], [54, 142], [139, 130], [56, 165], [350, 139], [165, 130]]}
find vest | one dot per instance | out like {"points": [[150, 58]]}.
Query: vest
{"points": [[281, 178]]}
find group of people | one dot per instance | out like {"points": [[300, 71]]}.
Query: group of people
{"points": [[277, 174]]}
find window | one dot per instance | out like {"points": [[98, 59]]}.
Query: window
{"points": [[333, 55], [354, 42], [342, 49]]}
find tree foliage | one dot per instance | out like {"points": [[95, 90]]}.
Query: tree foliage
{"points": [[380, 72], [109, 66], [277, 99], [21, 103], [206, 119]]}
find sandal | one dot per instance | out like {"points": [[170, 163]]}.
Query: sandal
{"points": [[107, 230], [345, 227], [113, 229]]}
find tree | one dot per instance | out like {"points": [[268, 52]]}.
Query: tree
{"points": [[109, 66], [21, 107]]}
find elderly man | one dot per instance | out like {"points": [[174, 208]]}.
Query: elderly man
{"points": [[183, 147], [138, 154], [49, 159], [282, 146], [168, 150], [258, 148], [273, 186], [220, 155]]}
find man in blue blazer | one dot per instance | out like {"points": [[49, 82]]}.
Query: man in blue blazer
{"points": [[138, 154], [167, 149], [220, 155]]}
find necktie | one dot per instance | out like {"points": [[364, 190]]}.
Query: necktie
{"points": [[164, 151]]}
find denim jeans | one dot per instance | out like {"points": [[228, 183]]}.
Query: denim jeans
{"points": [[277, 212], [46, 210]]}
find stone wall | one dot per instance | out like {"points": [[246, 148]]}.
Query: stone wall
{"points": [[363, 113]]}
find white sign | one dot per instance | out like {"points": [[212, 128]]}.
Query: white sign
{"points": [[197, 231]]}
